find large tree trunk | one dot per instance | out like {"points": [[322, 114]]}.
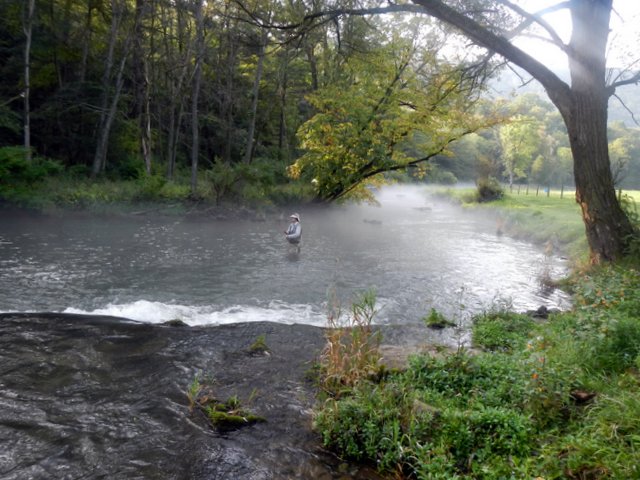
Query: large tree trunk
{"points": [[607, 227], [583, 106], [195, 139]]}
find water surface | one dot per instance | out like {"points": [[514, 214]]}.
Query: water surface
{"points": [[415, 252]]}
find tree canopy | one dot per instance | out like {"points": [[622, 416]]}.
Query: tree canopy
{"points": [[583, 102]]}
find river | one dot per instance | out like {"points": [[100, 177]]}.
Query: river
{"points": [[414, 252], [94, 386]]}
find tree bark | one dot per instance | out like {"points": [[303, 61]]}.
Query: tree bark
{"points": [[107, 114], [248, 154], [583, 106], [86, 42], [283, 151], [28, 30], [195, 139], [607, 227], [141, 80], [181, 62]]}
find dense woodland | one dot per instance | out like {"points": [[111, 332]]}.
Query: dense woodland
{"points": [[126, 89]]}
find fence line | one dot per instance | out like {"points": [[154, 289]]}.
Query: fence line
{"points": [[520, 189]]}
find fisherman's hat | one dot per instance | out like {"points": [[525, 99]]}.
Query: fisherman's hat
{"points": [[295, 215]]}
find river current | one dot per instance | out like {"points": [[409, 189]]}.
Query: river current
{"points": [[416, 253], [95, 385]]}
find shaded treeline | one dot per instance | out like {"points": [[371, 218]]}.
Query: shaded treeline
{"points": [[157, 85]]}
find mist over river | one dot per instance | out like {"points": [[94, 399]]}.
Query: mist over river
{"points": [[414, 251], [85, 393]]}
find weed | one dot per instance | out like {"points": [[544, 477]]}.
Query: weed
{"points": [[193, 391], [351, 352], [259, 346], [437, 320], [502, 331], [227, 414]]}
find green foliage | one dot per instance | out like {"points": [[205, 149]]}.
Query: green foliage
{"points": [[437, 320], [553, 399], [502, 331], [381, 116], [224, 415], [489, 189], [18, 176], [259, 346], [150, 187]]}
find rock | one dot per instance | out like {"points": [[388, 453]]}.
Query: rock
{"points": [[176, 322], [580, 397]]}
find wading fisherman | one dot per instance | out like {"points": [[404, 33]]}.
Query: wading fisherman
{"points": [[293, 233]]}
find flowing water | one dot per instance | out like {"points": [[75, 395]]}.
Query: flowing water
{"points": [[87, 395], [414, 252]]}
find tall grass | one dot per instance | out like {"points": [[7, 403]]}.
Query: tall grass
{"points": [[352, 347]]}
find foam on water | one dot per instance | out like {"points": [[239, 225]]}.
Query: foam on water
{"points": [[158, 312]]}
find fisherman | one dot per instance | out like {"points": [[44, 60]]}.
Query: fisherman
{"points": [[293, 233]]}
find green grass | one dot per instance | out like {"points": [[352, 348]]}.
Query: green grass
{"points": [[549, 220], [558, 398]]}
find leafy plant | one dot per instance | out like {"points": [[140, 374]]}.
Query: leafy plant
{"points": [[489, 189], [502, 331], [437, 320], [259, 346], [227, 414]]}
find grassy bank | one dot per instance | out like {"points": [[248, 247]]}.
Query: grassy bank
{"points": [[553, 220], [554, 398], [542, 219], [45, 186], [536, 398]]}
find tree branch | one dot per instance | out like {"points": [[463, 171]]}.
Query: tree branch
{"points": [[558, 90], [624, 105]]}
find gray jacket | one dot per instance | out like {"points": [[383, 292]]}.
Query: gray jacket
{"points": [[294, 232]]}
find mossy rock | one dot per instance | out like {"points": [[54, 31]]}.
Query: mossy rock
{"points": [[435, 320], [236, 419], [227, 415]]}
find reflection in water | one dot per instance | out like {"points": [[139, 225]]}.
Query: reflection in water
{"points": [[414, 252], [293, 255]]}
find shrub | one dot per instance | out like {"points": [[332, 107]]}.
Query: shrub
{"points": [[501, 331], [489, 189], [17, 175]]}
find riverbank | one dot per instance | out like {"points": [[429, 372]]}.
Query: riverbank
{"points": [[539, 398], [552, 221]]}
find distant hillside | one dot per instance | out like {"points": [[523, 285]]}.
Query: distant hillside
{"points": [[509, 83]]}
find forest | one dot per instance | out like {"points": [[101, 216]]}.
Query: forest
{"points": [[221, 101]]}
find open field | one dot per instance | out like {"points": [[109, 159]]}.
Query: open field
{"points": [[553, 219]]}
